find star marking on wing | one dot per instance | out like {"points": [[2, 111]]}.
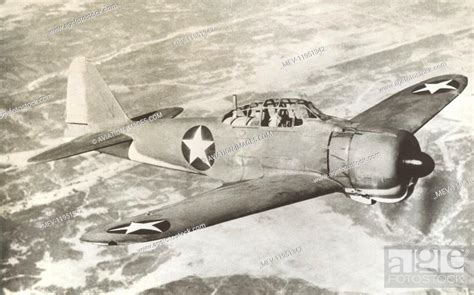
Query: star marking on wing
{"points": [[197, 145], [434, 87], [136, 226]]}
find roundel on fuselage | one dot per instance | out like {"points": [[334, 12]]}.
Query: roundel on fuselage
{"points": [[197, 145]]}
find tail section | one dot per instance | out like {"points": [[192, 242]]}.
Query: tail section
{"points": [[90, 105], [93, 117]]}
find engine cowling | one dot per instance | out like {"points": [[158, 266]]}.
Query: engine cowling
{"points": [[377, 166]]}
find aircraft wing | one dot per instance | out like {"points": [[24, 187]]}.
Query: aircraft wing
{"points": [[414, 106], [213, 207]]}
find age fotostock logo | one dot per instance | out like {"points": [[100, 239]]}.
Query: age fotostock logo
{"points": [[427, 267]]}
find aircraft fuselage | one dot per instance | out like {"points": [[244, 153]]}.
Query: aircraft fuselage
{"points": [[300, 148]]}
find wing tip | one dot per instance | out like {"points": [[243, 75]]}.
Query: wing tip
{"points": [[93, 238], [174, 111], [463, 80], [41, 158]]}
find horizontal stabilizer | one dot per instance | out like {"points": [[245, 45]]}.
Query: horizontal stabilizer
{"points": [[100, 140], [167, 113], [80, 145]]}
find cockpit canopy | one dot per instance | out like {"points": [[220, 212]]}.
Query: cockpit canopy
{"points": [[282, 112]]}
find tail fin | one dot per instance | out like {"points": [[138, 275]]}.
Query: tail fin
{"points": [[90, 105]]}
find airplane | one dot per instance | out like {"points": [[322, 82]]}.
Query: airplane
{"points": [[273, 171]]}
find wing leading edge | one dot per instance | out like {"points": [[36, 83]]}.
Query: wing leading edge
{"points": [[414, 106], [213, 207]]}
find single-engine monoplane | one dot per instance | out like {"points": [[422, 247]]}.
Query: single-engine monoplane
{"points": [[373, 157]]}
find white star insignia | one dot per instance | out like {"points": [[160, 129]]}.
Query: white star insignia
{"points": [[434, 87], [135, 226], [197, 145]]}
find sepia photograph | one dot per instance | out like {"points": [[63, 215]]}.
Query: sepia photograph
{"points": [[223, 147]]}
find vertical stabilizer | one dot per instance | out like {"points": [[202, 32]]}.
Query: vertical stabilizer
{"points": [[90, 105]]}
